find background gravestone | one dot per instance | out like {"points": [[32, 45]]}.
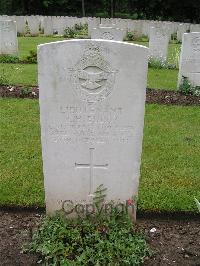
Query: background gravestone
{"points": [[33, 24], [190, 58], [92, 98], [8, 37], [135, 27], [48, 26], [158, 43], [21, 24], [108, 33], [194, 27], [92, 23], [181, 29]]}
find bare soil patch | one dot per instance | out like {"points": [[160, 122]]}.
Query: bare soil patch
{"points": [[166, 97], [174, 242]]}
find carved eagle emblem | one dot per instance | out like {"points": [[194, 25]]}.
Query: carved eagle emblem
{"points": [[93, 77]]}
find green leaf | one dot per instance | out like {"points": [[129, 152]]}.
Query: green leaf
{"points": [[198, 204]]}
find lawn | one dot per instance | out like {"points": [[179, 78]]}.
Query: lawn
{"points": [[30, 43], [162, 79], [26, 74], [19, 74], [170, 160]]}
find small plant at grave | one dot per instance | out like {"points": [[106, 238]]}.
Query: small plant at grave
{"points": [[185, 86], [12, 59], [111, 240], [132, 36], [31, 58], [197, 203], [78, 27], [69, 32], [129, 36], [27, 29], [19, 34], [156, 63], [26, 91], [195, 90], [78, 30], [187, 89], [3, 78], [174, 37], [160, 63], [84, 30], [144, 38]]}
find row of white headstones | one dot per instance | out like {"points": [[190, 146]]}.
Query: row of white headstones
{"points": [[92, 103], [51, 24], [158, 46]]}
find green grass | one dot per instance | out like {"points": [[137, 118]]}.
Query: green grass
{"points": [[173, 51], [30, 43], [19, 74], [21, 179], [27, 75], [170, 161], [162, 79], [170, 176]]}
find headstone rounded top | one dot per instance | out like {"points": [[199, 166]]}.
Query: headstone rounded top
{"points": [[81, 41]]}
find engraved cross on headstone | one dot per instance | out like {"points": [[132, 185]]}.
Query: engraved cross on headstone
{"points": [[91, 166]]}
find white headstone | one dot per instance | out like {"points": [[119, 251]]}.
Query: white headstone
{"points": [[92, 23], [8, 37], [145, 27], [92, 98], [71, 21], [168, 27], [21, 24], [194, 27], [5, 17], [190, 59], [136, 27], [108, 33], [122, 24], [33, 24], [48, 26], [55, 22], [158, 43], [62, 25], [41, 18], [107, 22], [181, 29]]}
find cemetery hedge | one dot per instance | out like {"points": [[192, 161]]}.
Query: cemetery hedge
{"points": [[170, 160], [174, 10]]}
